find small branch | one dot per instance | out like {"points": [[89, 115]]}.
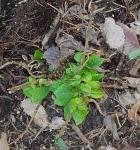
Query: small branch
{"points": [[97, 106], [81, 135]]}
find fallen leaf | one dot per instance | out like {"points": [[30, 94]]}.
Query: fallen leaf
{"points": [[106, 148], [3, 142], [64, 40], [113, 33], [131, 42], [133, 112], [40, 118], [66, 46], [52, 56], [135, 26], [133, 82], [126, 99], [57, 123], [111, 126], [92, 35]]}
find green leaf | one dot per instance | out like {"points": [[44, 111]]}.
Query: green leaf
{"points": [[85, 88], [66, 110], [63, 95], [32, 80], [55, 85], [38, 54], [75, 83], [73, 70], [97, 94], [80, 114], [94, 84], [36, 93], [73, 105], [28, 91], [94, 61], [87, 76], [60, 142], [97, 76], [134, 54], [78, 57], [42, 82]]}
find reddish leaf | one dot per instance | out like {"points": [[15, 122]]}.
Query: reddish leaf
{"points": [[131, 41]]}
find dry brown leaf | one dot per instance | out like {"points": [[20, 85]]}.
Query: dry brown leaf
{"points": [[131, 42], [41, 117], [113, 32], [3, 142], [57, 123], [126, 98], [111, 126], [133, 112], [133, 82]]}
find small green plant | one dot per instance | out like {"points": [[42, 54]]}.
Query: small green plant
{"points": [[80, 83]]}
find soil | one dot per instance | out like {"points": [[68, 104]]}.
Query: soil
{"points": [[22, 28]]}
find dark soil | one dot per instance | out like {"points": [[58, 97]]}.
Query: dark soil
{"points": [[22, 28]]}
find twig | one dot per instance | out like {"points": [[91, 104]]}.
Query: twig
{"points": [[94, 133], [17, 88], [97, 106], [81, 135], [38, 133]]}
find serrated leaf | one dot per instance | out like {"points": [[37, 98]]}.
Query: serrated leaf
{"points": [[38, 54], [73, 104], [75, 83], [73, 70], [36, 93], [60, 142], [94, 85], [63, 95], [134, 54], [97, 94], [87, 76], [94, 61], [85, 88], [79, 115], [97, 76], [78, 57]]}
